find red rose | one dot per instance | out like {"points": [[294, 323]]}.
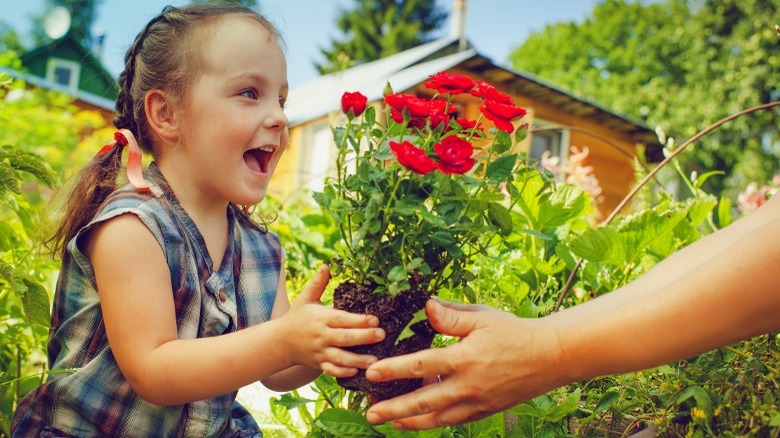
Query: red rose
{"points": [[502, 113], [488, 92], [454, 155], [444, 83], [414, 122], [412, 157], [416, 106], [439, 118], [467, 124], [355, 102]]}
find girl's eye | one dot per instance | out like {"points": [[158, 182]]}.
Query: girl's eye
{"points": [[250, 93], [282, 102]]}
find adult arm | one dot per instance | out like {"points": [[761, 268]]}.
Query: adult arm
{"points": [[719, 290], [134, 286]]}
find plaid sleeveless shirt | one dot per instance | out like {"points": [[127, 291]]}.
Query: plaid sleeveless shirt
{"points": [[96, 400]]}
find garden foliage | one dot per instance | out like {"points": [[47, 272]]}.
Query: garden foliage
{"points": [[729, 392]]}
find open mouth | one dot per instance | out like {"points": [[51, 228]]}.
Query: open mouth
{"points": [[257, 159]]}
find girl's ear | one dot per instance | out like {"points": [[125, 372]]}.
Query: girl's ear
{"points": [[160, 116]]}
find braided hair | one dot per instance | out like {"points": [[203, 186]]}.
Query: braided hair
{"points": [[165, 56]]}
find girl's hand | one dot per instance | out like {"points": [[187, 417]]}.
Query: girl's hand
{"points": [[316, 333]]}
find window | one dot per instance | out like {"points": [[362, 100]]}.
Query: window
{"points": [[63, 72], [316, 157], [554, 141]]}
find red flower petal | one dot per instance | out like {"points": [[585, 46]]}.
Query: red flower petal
{"points": [[445, 83], [412, 157], [353, 101], [454, 155]]}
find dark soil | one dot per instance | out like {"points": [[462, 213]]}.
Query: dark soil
{"points": [[394, 313]]}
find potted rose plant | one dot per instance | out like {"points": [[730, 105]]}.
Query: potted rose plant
{"points": [[418, 192]]}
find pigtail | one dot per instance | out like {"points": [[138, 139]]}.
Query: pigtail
{"points": [[95, 182], [93, 185]]}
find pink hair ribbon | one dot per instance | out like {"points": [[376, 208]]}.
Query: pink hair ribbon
{"points": [[123, 138]]}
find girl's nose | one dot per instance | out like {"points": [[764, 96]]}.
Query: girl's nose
{"points": [[277, 119]]}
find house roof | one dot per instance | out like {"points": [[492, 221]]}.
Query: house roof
{"points": [[92, 99], [406, 69], [96, 81]]}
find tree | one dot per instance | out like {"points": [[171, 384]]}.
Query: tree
{"points": [[375, 29], [9, 39], [681, 65]]}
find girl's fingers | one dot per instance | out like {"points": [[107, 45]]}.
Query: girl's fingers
{"points": [[346, 360], [353, 337], [313, 291], [344, 319], [337, 371]]}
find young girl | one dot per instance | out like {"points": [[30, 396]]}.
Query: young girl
{"points": [[170, 298]]}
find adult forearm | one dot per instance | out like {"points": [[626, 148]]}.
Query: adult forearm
{"points": [[727, 295]]}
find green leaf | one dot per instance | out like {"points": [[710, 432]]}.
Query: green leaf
{"points": [[566, 407], [407, 332], [291, 401], [27, 162], [35, 302], [699, 181], [397, 273], [501, 168], [500, 216], [282, 415], [699, 394], [724, 212], [537, 234], [443, 239], [9, 179], [599, 245], [34, 298], [346, 424], [607, 401]]}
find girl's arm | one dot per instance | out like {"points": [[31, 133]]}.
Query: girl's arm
{"points": [[134, 286]]}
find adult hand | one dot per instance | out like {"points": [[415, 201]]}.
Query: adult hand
{"points": [[500, 361], [318, 333]]}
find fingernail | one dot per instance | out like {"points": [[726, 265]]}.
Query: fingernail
{"points": [[379, 333], [372, 374], [370, 361], [398, 426], [373, 418]]}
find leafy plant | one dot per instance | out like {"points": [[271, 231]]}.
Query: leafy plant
{"points": [[419, 191], [24, 301]]}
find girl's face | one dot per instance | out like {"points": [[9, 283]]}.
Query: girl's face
{"points": [[236, 129]]}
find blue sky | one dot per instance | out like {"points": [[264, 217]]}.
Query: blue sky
{"points": [[494, 27]]}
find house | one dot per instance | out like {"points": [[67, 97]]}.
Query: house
{"points": [[562, 119], [65, 65]]}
